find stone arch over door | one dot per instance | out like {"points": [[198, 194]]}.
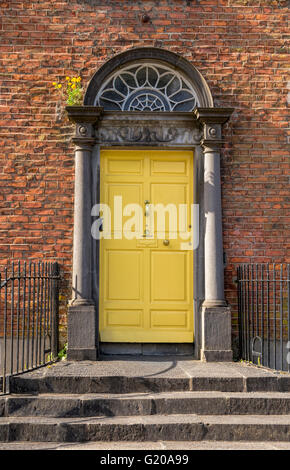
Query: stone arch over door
{"points": [[145, 55], [123, 107]]}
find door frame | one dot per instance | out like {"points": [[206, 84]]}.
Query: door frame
{"points": [[199, 131], [163, 131]]}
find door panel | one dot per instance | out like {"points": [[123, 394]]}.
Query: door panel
{"points": [[170, 196], [169, 319], [168, 276], [146, 286], [131, 194], [124, 166], [121, 318], [117, 285]]}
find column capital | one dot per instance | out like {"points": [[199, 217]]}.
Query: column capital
{"points": [[79, 114], [213, 115], [83, 143], [86, 119], [211, 121], [211, 145]]}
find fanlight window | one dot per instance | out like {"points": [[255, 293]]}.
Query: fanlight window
{"points": [[147, 87]]}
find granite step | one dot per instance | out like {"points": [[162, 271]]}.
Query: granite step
{"points": [[80, 384], [138, 404], [162, 446], [178, 427]]}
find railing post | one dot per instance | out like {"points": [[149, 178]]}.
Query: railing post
{"points": [[54, 309], [240, 313]]}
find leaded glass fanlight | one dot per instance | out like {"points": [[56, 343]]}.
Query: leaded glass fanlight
{"points": [[147, 87]]}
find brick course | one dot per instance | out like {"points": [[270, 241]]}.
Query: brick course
{"points": [[240, 48]]}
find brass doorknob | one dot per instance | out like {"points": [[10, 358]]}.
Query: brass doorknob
{"points": [[166, 242]]}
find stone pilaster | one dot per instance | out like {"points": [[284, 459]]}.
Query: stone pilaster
{"points": [[216, 315], [82, 324]]}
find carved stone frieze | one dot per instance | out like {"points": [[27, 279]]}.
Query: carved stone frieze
{"points": [[148, 135]]}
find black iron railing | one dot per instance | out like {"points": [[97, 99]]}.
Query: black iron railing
{"points": [[28, 318], [264, 314]]}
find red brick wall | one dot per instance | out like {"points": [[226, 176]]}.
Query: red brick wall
{"points": [[240, 48]]}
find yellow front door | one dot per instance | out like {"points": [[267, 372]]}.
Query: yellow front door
{"points": [[146, 281]]}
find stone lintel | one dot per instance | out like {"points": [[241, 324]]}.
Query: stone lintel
{"points": [[150, 117], [158, 129]]}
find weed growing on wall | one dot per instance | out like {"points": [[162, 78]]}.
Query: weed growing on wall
{"points": [[71, 91], [63, 353]]}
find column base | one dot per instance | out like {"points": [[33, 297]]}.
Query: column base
{"points": [[214, 303], [82, 333], [82, 354], [216, 334], [80, 302], [216, 356]]}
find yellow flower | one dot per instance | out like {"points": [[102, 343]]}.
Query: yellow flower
{"points": [[70, 84], [78, 79], [59, 85], [67, 78], [54, 83], [73, 79], [73, 86]]}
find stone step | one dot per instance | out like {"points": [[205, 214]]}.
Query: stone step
{"points": [[34, 383], [153, 375], [202, 403], [189, 427], [98, 384], [145, 445]]}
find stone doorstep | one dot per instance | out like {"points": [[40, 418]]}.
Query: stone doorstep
{"points": [[147, 428], [122, 384], [152, 366], [202, 403]]}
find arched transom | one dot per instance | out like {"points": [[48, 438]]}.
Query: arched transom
{"points": [[147, 87]]}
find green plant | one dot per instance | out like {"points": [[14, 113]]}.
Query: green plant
{"points": [[71, 91], [51, 357], [63, 353]]}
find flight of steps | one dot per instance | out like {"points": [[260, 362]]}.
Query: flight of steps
{"points": [[48, 408]]}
